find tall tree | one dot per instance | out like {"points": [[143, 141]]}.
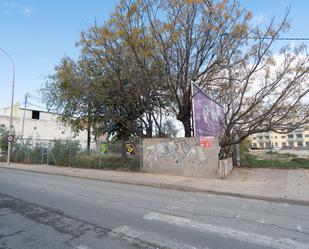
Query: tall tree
{"points": [[216, 45], [150, 51], [69, 91]]}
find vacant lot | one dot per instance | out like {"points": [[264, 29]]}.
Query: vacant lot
{"points": [[276, 159]]}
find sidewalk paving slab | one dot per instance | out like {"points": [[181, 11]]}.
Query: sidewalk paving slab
{"points": [[280, 185]]}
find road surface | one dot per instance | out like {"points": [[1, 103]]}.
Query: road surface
{"points": [[39, 211]]}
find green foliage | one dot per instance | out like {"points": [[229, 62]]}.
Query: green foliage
{"points": [[69, 153], [303, 161], [280, 155], [63, 153], [3, 138], [24, 151], [169, 129], [139, 65], [255, 162], [245, 146]]}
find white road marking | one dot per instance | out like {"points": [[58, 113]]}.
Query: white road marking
{"points": [[262, 221], [82, 247], [248, 237], [151, 237]]}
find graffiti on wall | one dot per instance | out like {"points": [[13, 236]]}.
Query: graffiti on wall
{"points": [[181, 156], [176, 150]]}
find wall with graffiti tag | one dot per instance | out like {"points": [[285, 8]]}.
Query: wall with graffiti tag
{"points": [[181, 156]]}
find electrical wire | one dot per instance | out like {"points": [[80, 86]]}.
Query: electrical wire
{"points": [[279, 38]]}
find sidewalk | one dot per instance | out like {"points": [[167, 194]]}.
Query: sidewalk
{"points": [[291, 186]]}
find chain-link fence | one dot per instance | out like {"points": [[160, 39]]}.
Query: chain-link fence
{"points": [[104, 155]]}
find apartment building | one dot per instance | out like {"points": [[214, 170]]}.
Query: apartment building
{"points": [[298, 139]]}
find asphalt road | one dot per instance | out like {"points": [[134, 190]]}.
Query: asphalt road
{"points": [[41, 211]]}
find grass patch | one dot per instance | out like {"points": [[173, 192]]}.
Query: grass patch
{"points": [[280, 155], [109, 163], [254, 162]]}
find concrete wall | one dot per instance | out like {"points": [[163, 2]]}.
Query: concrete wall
{"points": [[225, 167], [180, 156]]}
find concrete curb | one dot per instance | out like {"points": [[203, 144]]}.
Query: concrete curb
{"points": [[170, 186]]}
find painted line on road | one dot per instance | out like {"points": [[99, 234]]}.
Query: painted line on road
{"points": [[247, 237], [151, 237], [82, 247]]}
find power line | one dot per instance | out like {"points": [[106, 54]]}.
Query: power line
{"points": [[279, 38], [35, 97]]}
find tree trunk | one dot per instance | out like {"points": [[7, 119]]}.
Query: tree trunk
{"points": [[123, 146], [184, 116], [226, 147], [88, 138], [149, 129], [186, 122]]}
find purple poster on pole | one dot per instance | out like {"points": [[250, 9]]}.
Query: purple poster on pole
{"points": [[207, 114]]}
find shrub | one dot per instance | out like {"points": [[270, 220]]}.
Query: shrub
{"points": [[304, 161], [63, 153]]}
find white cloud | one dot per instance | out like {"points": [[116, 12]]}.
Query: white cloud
{"points": [[28, 10], [13, 7]]}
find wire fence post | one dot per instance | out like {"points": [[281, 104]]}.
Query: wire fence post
{"points": [[70, 153], [42, 153], [47, 159], [271, 156], [141, 154]]}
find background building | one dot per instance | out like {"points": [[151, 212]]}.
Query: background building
{"points": [[298, 139], [40, 125]]}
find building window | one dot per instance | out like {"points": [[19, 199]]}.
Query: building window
{"points": [[307, 135], [299, 144], [276, 144], [282, 136], [266, 137], [276, 137], [35, 115], [299, 136], [290, 136]]}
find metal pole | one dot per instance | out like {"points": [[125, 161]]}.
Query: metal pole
{"points": [[12, 103], [23, 125], [271, 155], [42, 152], [47, 159], [70, 154]]}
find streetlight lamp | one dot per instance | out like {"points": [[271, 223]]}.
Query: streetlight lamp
{"points": [[12, 103]]}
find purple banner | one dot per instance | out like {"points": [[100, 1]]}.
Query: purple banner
{"points": [[207, 114]]}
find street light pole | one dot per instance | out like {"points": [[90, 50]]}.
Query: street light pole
{"points": [[12, 103]]}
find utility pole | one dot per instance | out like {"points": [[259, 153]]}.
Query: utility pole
{"points": [[12, 103], [24, 115]]}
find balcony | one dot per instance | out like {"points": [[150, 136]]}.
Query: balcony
{"points": [[296, 139]]}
